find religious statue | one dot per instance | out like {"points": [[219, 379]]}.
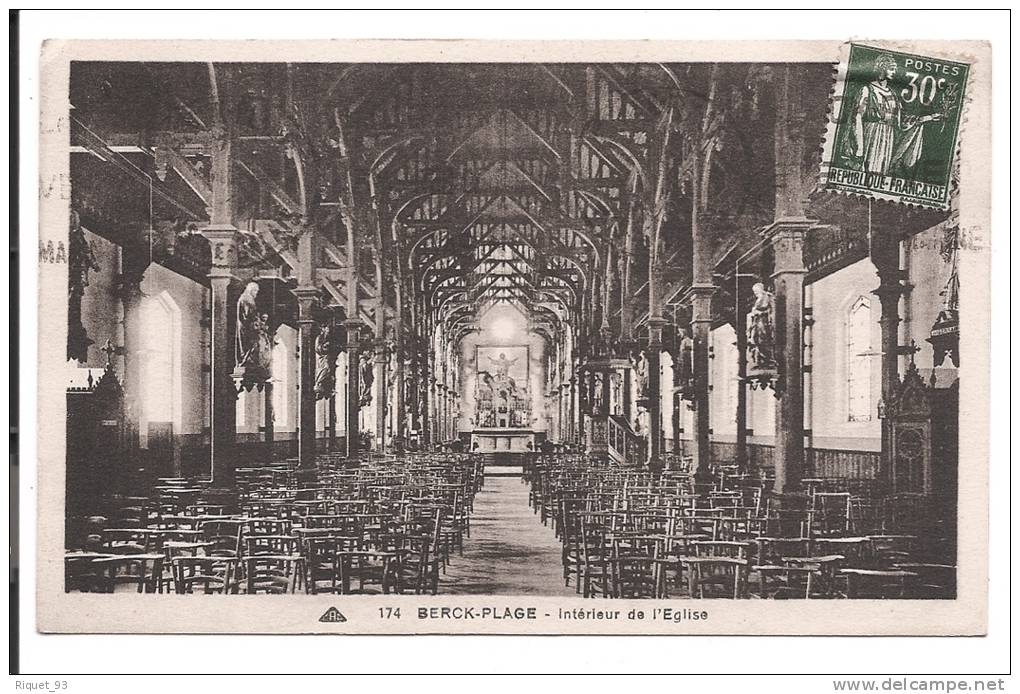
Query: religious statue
{"points": [[367, 379], [503, 365], [325, 363], [81, 261], [598, 400], [248, 327], [486, 389], [642, 422], [760, 329], [616, 392], [267, 340], [641, 371], [685, 359]]}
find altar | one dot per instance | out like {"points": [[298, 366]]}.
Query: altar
{"points": [[502, 441]]}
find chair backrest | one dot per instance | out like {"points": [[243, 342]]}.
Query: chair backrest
{"points": [[279, 545], [719, 548], [224, 535], [212, 574]]}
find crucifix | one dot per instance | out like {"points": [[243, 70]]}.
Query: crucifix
{"points": [[110, 350]]}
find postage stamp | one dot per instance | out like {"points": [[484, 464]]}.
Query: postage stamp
{"points": [[896, 120]]}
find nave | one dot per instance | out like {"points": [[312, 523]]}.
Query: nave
{"points": [[308, 304], [566, 525]]}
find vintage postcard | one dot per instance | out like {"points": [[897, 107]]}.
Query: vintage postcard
{"points": [[458, 337]]}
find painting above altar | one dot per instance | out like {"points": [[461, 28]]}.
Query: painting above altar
{"points": [[502, 398]]}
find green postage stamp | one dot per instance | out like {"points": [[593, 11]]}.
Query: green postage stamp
{"points": [[895, 122]]}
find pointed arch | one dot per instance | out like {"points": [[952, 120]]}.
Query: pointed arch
{"points": [[160, 361]]}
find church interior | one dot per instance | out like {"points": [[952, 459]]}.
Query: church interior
{"points": [[497, 329]]}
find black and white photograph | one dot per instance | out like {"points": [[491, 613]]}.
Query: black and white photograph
{"points": [[423, 341]]}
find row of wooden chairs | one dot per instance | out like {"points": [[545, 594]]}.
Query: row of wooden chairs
{"points": [[627, 533], [390, 526]]}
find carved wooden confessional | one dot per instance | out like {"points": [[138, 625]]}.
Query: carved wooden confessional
{"points": [[910, 415]]}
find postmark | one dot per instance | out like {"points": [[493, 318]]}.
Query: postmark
{"points": [[895, 126]]}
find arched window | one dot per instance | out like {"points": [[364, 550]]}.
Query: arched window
{"points": [[281, 378], [858, 360], [160, 360]]}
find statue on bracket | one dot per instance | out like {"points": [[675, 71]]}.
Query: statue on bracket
{"points": [[326, 352], [253, 350], [248, 327], [641, 372], [684, 373], [367, 378], [762, 369], [81, 261], [761, 329]]}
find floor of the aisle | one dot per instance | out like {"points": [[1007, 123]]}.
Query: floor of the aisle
{"points": [[509, 552]]}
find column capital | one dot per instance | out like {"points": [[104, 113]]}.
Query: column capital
{"points": [[354, 327], [699, 296], [305, 292], [306, 297], [785, 226], [223, 242], [698, 291], [787, 239]]}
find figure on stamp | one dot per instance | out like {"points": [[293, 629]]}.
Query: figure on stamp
{"points": [[884, 140]]}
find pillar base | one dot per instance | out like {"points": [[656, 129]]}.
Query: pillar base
{"points": [[788, 512]]}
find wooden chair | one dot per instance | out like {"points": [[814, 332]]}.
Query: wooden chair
{"points": [[596, 574], [877, 584], [82, 573], [224, 536], [209, 574], [933, 581], [143, 571], [717, 577], [273, 564]]}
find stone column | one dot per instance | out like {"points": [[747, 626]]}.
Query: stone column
{"points": [[306, 384], [224, 395], [701, 328], [353, 387], [787, 239], [400, 407], [678, 403], [269, 421], [579, 383], [331, 422], [381, 405], [560, 415], [740, 327], [445, 404], [430, 412], [655, 325], [130, 292], [223, 240], [885, 257]]}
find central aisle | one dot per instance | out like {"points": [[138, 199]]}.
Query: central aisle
{"points": [[509, 552]]}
